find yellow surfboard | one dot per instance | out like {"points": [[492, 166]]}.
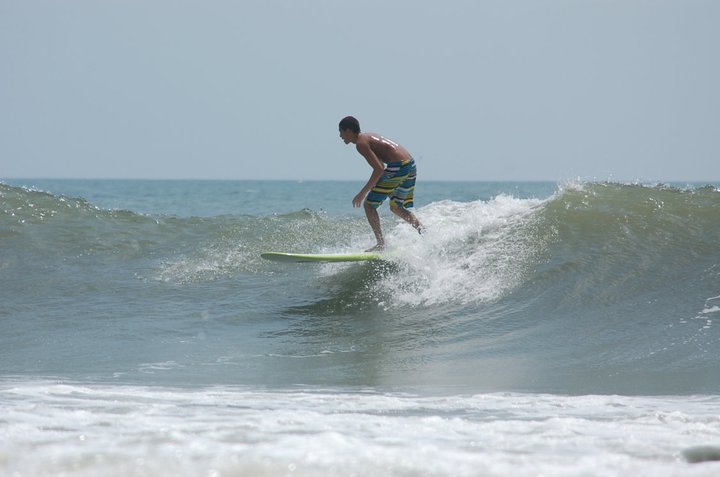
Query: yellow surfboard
{"points": [[320, 257]]}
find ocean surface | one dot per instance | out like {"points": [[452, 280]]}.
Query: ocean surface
{"points": [[534, 329]]}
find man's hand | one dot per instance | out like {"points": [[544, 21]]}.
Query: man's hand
{"points": [[358, 200]]}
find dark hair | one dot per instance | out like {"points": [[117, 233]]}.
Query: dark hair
{"points": [[349, 122]]}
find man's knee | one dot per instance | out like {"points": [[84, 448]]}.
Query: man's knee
{"points": [[397, 209]]}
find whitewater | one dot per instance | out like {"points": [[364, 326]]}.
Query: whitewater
{"points": [[535, 329]]}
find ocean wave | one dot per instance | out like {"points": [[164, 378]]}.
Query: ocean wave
{"points": [[598, 287]]}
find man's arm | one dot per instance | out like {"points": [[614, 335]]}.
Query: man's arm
{"points": [[378, 169]]}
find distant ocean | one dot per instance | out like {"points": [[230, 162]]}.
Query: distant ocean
{"points": [[534, 329]]}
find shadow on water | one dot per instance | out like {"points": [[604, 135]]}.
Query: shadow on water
{"points": [[350, 290], [348, 336]]}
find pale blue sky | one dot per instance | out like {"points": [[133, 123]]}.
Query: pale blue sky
{"points": [[253, 89]]}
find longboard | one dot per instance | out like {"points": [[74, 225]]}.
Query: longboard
{"points": [[320, 257]]}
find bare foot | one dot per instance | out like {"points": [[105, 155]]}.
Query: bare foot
{"points": [[377, 248]]}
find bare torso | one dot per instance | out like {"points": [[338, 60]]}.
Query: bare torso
{"points": [[385, 149]]}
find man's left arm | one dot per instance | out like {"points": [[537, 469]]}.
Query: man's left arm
{"points": [[378, 169]]}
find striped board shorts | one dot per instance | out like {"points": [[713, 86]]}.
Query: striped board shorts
{"points": [[397, 182]]}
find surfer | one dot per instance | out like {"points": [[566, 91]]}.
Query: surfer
{"points": [[393, 176]]}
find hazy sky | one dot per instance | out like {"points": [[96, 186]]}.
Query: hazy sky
{"points": [[254, 89]]}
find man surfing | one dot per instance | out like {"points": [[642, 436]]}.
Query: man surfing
{"points": [[393, 176]]}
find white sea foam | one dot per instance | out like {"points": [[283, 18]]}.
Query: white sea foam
{"points": [[470, 252], [89, 430]]}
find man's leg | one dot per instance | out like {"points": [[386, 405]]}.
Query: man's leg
{"points": [[402, 196], [406, 215], [374, 218]]}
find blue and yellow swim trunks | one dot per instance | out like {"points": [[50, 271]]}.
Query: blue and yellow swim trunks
{"points": [[397, 182]]}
